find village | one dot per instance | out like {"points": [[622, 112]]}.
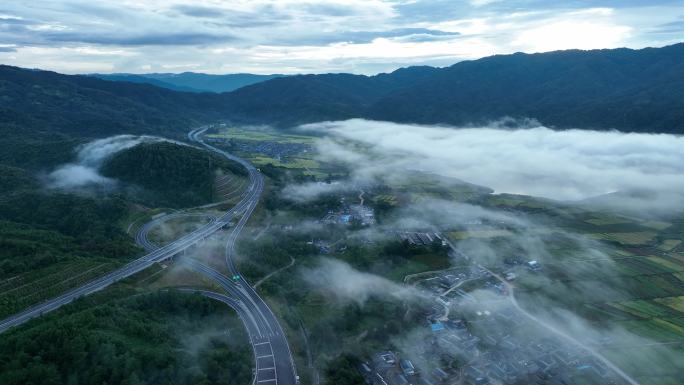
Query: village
{"points": [[479, 339]]}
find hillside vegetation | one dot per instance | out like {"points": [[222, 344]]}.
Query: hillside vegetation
{"points": [[39, 228], [43, 101], [159, 338], [192, 81], [631, 90], [169, 174]]}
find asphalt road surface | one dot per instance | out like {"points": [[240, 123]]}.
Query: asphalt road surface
{"points": [[141, 238], [274, 362]]}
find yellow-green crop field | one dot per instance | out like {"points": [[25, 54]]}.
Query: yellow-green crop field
{"points": [[676, 303], [636, 238], [261, 135], [669, 244], [606, 221], [459, 235]]}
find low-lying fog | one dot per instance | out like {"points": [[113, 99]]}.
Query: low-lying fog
{"points": [[535, 160], [84, 171]]}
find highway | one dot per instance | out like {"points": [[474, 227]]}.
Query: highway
{"points": [[274, 362], [273, 359], [249, 199], [141, 237], [268, 338]]}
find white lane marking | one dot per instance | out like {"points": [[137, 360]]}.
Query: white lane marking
{"points": [[268, 355], [271, 380], [261, 343], [271, 368]]}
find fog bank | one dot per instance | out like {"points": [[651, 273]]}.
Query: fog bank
{"points": [[538, 161]]}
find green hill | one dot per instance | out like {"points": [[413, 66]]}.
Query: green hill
{"points": [[168, 174]]}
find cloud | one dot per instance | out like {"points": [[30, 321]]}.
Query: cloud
{"points": [[84, 172], [295, 36], [171, 38], [343, 283], [365, 37], [311, 190], [572, 35], [671, 27], [200, 11], [439, 213], [538, 161], [481, 3], [76, 175]]}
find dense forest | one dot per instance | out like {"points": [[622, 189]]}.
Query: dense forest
{"points": [[191, 81], [43, 101], [35, 150], [165, 174], [630, 90], [119, 337], [39, 227]]}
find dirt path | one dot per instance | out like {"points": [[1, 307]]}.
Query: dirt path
{"points": [[259, 282]]}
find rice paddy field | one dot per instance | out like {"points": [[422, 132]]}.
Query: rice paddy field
{"points": [[295, 152]]}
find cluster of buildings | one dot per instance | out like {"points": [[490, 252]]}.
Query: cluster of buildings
{"points": [[498, 350], [421, 239], [386, 368], [495, 345], [361, 214], [272, 149]]}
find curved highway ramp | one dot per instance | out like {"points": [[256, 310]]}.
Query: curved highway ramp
{"points": [[274, 362]]}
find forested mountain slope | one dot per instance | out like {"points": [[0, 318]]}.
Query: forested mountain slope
{"points": [[631, 90], [192, 81], [168, 174], [38, 101], [640, 90]]}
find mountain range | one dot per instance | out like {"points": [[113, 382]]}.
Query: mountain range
{"points": [[630, 90], [191, 81]]}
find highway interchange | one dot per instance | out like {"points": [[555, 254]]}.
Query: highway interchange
{"points": [[274, 362]]}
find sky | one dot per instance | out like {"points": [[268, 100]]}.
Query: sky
{"points": [[306, 36]]}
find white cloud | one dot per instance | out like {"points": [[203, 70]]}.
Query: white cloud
{"points": [[288, 36], [340, 281], [572, 35], [480, 3], [568, 165], [84, 172], [76, 175], [307, 191]]}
